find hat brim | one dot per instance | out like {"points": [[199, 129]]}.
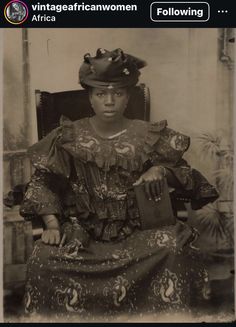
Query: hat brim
{"points": [[109, 84]]}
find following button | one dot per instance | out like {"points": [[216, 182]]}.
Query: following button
{"points": [[180, 11]]}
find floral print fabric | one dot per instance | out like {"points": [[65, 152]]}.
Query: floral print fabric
{"points": [[149, 271], [82, 175]]}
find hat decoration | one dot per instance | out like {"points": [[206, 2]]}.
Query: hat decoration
{"points": [[110, 69]]}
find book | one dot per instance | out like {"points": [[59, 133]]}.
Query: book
{"points": [[154, 214]]}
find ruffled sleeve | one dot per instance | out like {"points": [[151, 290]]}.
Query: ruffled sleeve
{"points": [[166, 147], [165, 143], [40, 197], [203, 191], [48, 190], [48, 154]]}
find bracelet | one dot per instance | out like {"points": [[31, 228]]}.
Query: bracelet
{"points": [[50, 220]]}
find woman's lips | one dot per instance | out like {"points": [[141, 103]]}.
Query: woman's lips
{"points": [[109, 113]]}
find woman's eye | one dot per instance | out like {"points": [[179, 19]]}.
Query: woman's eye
{"points": [[100, 94], [118, 94]]}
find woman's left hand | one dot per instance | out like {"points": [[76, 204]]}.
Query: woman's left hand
{"points": [[153, 180]]}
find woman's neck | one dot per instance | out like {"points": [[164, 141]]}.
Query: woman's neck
{"points": [[106, 129]]}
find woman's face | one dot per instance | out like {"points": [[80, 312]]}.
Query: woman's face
{"points": [[109, 104]]}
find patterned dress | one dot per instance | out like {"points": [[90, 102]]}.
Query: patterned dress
{"points": [[86, 180]]}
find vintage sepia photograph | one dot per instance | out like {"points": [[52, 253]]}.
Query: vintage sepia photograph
{"points": [[118, 175]]}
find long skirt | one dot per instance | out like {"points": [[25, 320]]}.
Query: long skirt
{"points": [[149, 271]]}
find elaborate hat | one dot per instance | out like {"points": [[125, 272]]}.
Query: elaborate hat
{"points": [[110, 69]]}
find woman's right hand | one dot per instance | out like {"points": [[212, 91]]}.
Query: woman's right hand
{"points": [[51, 236], [52, 233]]}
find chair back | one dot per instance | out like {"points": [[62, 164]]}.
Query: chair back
{"points": [[76, 105]]}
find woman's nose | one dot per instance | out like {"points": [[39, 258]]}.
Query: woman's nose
{"points": [[109, 100]]}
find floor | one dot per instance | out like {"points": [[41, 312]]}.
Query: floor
{"points": [[220, 308]]}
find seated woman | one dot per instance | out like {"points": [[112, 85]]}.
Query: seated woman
{"points": [[94, 256]]}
